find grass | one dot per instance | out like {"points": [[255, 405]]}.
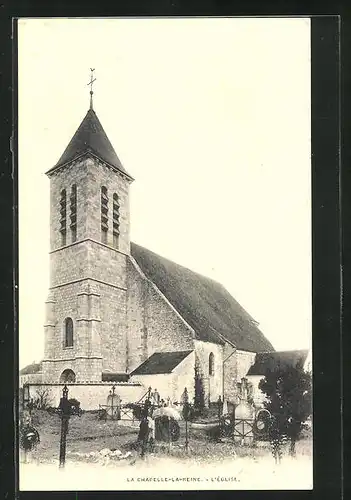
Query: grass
{"points": [[88, 434]]}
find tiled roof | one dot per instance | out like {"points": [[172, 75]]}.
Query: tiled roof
{"points": [[90, 136], [277, 360], [114, 377], [203, 303], [30, 369], [161, 362]]}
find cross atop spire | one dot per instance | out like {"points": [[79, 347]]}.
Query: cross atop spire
{"points": [[92, 80]]}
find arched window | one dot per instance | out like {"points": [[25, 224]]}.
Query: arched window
{"points": [[68, 332], [67, 376], [104, 214], [73, 215], [115, 220], [211, 364], [63, 214]]}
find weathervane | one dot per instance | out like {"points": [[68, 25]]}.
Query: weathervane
{"points": [[92, 80]]}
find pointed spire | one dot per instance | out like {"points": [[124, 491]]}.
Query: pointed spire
{"points": [[92, 80], [90, 136]]}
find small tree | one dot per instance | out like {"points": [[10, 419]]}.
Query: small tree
{"points": [[199, 398], [289, 399], [43, 398]]}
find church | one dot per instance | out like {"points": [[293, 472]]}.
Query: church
{"points": [[119, 313]]}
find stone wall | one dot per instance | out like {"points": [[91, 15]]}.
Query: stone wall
{"points": [[212, 383], [236, 366], [86, 369], [30, 378], [64, 179], [65, 304], [90, 396], [87, 259], [136, 328], [79, 301], [98, 175], [229, 372], [163, 382], [166, 330], [89, 175], [69, 264], [185, 378], [106, 264], [245, 360], [113, 328], [101, 334], [153, 325]]}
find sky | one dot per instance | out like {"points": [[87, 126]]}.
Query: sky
{"points": [[211, 116]]}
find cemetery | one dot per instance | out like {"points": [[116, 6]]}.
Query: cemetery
{"points": [[152, 428]]}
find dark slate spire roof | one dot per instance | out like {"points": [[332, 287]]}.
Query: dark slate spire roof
{"points": [[90, 136], [203, 303]]}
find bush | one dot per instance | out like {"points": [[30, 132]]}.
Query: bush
{"points": [[188, 412], [199, 413], [74, 402], [199, 399], [137, 410], [52, 410], [75, 406], [289, 400], [43, 399], [102, 414]]}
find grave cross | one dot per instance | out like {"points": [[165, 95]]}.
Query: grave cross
{"points": [[112, 393], [65, 412]]}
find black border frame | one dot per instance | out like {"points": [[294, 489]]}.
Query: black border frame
{"points": [[326, 238]]}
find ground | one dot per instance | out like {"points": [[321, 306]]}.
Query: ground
{"points": [[87, 436]]}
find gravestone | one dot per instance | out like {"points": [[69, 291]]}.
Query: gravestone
{"points": [[244, 415], [166, 429], [113, 404]]}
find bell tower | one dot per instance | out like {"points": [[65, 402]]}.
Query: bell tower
{"points": [[85, 329]]}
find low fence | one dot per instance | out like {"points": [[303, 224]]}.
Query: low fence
{"points": [[90, 395]]}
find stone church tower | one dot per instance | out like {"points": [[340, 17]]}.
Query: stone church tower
{"points": [[85, 330]]}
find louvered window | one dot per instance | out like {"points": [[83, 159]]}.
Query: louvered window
{"points": [[104, 214], [73, 215], [63, 215], [115, 220]]}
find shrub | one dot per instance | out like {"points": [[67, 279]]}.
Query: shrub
{"points": [[43, 399], [75, 406], [199, 399], [289, 400]]}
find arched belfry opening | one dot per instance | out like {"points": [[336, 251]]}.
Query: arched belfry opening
{"points": [[67, 376]]}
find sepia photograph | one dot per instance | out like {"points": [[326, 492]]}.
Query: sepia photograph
{"points": [[165, 265]]}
